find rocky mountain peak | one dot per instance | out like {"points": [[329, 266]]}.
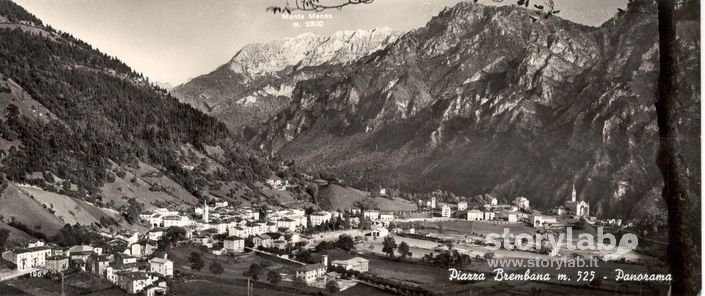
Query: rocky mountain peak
{"points": [[309, 49], [257, 82]]}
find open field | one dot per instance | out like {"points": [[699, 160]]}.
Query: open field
{"points": [[234, 266], [8, 290], [417, 247], [424, 275], [20, 98], [232, 281], [65, 208], [120, 191], [469, 227], [50, 211], [462, 230], [206, 287], [344, 197], [75, 284], [16, 203], [361, 289], [16, 236]]}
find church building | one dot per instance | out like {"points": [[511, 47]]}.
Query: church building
{"points": [[577, 208]]}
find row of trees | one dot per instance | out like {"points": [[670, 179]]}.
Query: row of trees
{"points": [[197, 264], [389, 245], [332, 225], [256, 271]]}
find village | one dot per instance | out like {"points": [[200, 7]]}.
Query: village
{"points": [[139, 262]]}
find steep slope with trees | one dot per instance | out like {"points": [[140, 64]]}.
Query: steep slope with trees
{"points": [[76, 119]]}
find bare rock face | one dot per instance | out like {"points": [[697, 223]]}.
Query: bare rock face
{"points": [[309, 50], [483, 100], [258, 81]]}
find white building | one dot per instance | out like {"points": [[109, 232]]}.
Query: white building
{"points": [[379, 231], [475, 215], [462, 206], [135, 282], [130, 237], [522, 203], [143, 249], [319, 218], [310, 272], [234, 244], [371, 214], [28, 258], [493, 202], [179, 221], [386, 217], [287, 223], [540, 220], [155, 234], [238, 231], [433, 202], [357, 263], [445, 211], [162, 266], [247, 214], [166, 212]]}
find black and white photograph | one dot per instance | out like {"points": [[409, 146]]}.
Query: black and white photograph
{"points": [[350, 147]]}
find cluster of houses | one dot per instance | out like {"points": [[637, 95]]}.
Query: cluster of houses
{"points": [[492, 210], [518, 211], [223, 228], [131, 272], [270, 229], [311, 273]]}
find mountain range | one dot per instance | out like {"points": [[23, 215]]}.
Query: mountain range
{"points": [[480, 100], [258, 81]]}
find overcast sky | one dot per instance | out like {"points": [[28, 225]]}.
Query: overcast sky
{"points": [[174, 40]]}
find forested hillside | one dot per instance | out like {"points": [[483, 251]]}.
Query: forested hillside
{"points": [[104, 112]]}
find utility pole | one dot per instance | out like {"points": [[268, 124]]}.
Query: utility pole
{"points": [[249, 288], [62, 284]]}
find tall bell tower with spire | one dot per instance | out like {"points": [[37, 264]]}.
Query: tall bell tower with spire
{"points": [[574, 194], [205, 211], [575, 207]]}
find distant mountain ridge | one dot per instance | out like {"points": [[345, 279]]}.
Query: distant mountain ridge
{"points": [[309, 49], [257, 82]]}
